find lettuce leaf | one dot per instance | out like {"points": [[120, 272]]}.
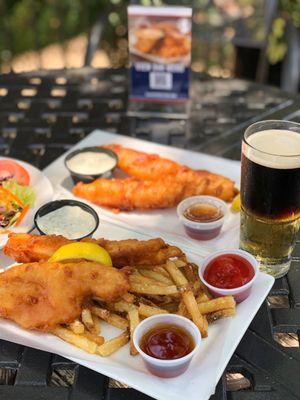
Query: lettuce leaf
{"points": [[25, 193]]}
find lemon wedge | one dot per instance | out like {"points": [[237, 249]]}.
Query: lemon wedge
{"points": [[236, 204], [86, 250]]}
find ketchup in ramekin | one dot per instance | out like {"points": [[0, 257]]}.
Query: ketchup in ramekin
{"points": [[229, 272]]}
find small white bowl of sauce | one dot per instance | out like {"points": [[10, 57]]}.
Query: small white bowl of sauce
{"points": [[167, 344], [229, 273], [70, 218], [202, 216], [89, 163]]}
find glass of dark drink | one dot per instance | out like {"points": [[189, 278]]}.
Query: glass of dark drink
{"points": [[270, 193]]}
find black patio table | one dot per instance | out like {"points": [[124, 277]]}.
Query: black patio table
{"points": [[43, 114]]}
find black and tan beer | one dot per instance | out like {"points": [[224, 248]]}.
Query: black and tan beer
{"points": [[270, 193]]}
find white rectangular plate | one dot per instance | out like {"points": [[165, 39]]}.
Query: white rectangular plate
{"points": [[159, 222], [197, 383]]}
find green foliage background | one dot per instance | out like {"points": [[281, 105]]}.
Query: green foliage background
{"points": [[34, 24], [289, 13]]}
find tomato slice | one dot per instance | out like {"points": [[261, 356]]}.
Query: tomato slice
{"points": [[10, 169]]}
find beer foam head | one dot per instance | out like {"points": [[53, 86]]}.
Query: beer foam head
{"points": [[274, 148]]}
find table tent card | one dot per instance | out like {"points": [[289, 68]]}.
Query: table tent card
{"points": [[160, 54]]}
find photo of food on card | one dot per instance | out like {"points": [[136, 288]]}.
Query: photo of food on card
{"points": [[160, 37], [159, 52]]}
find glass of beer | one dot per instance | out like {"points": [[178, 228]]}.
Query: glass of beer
{"points": [[270, 193]]}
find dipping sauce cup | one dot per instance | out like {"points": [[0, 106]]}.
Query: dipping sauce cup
{"points": [[211, 227], [85, 166], [166, 368], [239, 293], [63, 219]]}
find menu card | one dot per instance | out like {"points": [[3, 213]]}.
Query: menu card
{"points": [[160, 53]]}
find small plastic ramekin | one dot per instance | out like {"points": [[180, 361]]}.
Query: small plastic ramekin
{"points": [[166, 368], [88, 178], [202, 230], [56, 204], [240, 293]]}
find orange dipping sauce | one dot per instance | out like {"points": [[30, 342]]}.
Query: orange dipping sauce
{"points": [[167, 342], [228, 271], [203, 212]]}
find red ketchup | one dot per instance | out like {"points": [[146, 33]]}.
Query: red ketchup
{"points": [[228, 271]]}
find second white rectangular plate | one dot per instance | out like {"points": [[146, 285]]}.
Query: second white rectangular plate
{"points": [[162, 222]]}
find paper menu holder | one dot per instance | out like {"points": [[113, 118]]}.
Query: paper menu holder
{"points": [[160, 58]]}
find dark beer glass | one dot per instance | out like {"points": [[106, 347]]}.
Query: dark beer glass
{"points": [[270, 193]]}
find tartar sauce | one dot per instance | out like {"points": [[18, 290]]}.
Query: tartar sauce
{"points": [[91, 163], [70, 221]]}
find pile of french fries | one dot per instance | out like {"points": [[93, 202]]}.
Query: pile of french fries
{"points": [[174, 287]]}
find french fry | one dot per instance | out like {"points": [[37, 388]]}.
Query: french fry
{"points": [[171, 307], [156, 276], [110, 318], [196, 287], [133, 317], [182, 309], [229, 312], [192, 308], [220, 303], [137, 278], [180, 262], [152, 289], [124, 306], [202, 297], [161, 270], [90, 321], [77, 327], [99, 340], [97, 327], [113, 345], [129, 297], [189, 273], [77, 340], [148, 301], [147, 311], [188, 297], [176, 274], [87, 319]]}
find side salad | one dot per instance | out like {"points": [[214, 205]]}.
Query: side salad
{"points": [[16, 194]]}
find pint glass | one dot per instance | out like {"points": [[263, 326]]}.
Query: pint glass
{"points": [[270, 193]]}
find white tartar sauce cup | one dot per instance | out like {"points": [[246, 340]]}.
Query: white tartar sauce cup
{"points": [[166, 368]]}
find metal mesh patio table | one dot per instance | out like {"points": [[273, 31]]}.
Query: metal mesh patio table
{"points": [[43, 114]]}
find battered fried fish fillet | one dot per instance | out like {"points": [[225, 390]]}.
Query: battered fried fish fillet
{"points": [[131, 193], [147, 167], [43, 295], [24, 247]]}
